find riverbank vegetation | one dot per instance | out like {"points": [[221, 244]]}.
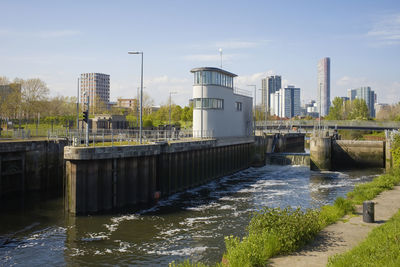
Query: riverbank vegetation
{"points": [[380, 248]]}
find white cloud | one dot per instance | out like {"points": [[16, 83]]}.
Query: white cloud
{"points": [[244, 80], [386, 31]]}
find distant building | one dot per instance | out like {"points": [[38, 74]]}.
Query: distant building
{"points": [[131, 103], [97, 87], [379, 107], [220, 110], [285, 103], [365, 93], [345, 98], [106, 122], [324, 85], [6, 90], [269, 85]]}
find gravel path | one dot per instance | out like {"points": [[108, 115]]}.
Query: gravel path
{"points": [[342, 236]]}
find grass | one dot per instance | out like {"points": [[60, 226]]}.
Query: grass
{"points": [[368, 253], [280, 231]]}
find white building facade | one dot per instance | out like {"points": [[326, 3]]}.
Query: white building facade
{"points": [[219, 110], [285, 103]]}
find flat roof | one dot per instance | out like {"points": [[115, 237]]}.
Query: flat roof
{"points": [[214, 69]]}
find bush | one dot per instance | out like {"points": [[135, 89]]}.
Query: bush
{"points": [[396, 151]]}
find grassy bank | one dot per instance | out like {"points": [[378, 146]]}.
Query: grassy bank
{"points": [[280, 231], [368, 253]]}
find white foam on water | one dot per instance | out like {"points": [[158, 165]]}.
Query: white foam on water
{"points": [[203, 207], [179, 252], [171, 232], [124, 246], [226, 207], [115, 221], [96, 237], [198, 220]]}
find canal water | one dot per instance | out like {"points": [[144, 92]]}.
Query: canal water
{"points": [[191, 224]]}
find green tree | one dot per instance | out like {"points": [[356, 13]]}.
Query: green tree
{"points": [[176, 113], [359, 110], [336, 111]]}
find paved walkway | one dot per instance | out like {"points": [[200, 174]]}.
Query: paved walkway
{"points": [[342, 236]]}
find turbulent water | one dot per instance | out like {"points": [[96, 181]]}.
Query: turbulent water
{"points": [[191, 224]]}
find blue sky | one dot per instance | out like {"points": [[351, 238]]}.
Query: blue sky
{"points": [[58, 40]]}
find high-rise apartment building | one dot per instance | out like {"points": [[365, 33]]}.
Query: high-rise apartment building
{"points": [[270, 85], [285, 103], [324, 85], [97, 87], [365, 93]]}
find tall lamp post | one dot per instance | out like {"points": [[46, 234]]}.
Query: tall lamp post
{"points": [[260, 109], [141, 94], [170, 104], [77, 108], [255, 106], [319, 115]]}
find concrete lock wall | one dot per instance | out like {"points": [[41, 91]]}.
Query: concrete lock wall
{"points": [[101, 179], [31, 166], [349, 154], [320, 153]]}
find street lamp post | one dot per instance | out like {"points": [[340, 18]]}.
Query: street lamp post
{"points": [[141, 95], [255, 106], [170, 104], [319, 115], [265, 117], [77, 108]]}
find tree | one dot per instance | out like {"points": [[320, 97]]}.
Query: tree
{"points": [[359, 110], [336, 111], [33, 91], [176, 113], [11, 106]]}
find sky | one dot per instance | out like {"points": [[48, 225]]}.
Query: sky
{"points": [[57, 40]]}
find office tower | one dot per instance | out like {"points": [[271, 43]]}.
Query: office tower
{"points": [[365, 93], [324, 85], [97, 86], [270, 85], [285, 103]]}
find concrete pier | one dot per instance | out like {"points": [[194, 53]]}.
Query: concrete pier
{"points": [[106, 178], [320, 153], [329, 154]]}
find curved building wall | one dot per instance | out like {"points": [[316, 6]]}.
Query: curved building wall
{"points": [[233, 120]]}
